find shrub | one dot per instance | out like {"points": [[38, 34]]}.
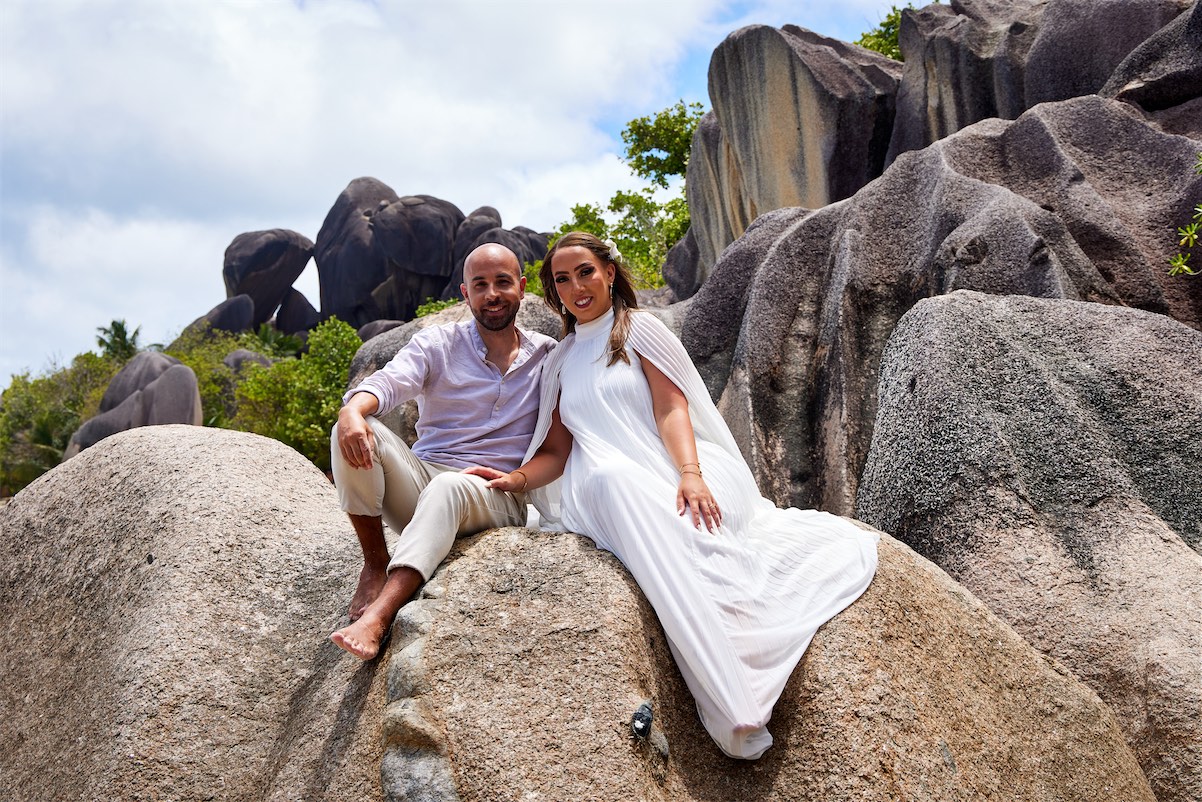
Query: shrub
{"points": [[296, 401]]}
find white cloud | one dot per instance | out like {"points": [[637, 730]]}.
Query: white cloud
{"points": [[138, 137]]}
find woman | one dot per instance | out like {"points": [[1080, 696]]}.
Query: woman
{"points": [[631, 451]]}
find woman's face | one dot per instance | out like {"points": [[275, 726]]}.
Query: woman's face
{"points": [[582, 282]]}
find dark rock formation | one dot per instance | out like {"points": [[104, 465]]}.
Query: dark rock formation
{"points": [[263, 265], [377, 327], [417, 235], [1164, 75], [235, 315], [296, 314], [1073, 200], [143, 368], [528, 245], [682, 266], [1046, 454], [349, 265], [976, 59], [165, 599], [802, 120], [914, 692], [235, 359], [172, 397]]}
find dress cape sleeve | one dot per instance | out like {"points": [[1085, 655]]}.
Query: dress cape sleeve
{"points": [[546, 499]]}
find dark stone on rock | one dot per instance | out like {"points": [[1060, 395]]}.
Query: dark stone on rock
{"points": [[529, 246], [417, 234], [235, 315], [1070, 201], [976, 59], [349, 263], [804, 120], [1046, 453], [296, 314], [263, 265], [235, 359], [475, 224], [682, 266], [377, 327], [173, 397], [143, 368], [1166, 70]]}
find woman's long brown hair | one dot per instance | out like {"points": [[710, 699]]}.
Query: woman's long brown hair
{"points": [[624, 298]]}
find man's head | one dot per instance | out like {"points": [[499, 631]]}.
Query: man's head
{"points": [[493, 285]]}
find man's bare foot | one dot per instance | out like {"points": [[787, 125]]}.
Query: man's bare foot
{"points": [[371, 580], [363, 637]]}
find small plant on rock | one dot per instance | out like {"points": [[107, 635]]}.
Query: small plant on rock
{"points": [[1188, 233]]}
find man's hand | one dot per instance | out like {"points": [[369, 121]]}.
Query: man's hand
{"points": [[498, 480], [355, 439]]}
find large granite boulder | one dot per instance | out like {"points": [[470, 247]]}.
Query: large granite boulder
{"points": [[234, 315], [515, 675], [972, 60], [296, 315], [142, 368], [528, 245], [416, 233], [1073, 200], [682, 266], [263, 265], [349, 264], [165, 599], [799, 119], [1164, 75], [1047, 455], [172, 397]]}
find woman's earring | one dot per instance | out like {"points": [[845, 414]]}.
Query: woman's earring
{"points": [[563, 309], [611, 290]]}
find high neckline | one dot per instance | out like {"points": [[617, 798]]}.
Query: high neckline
{"points": [[596, 328]]}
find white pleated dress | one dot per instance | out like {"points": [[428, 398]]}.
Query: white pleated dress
{"points": [[739, 605]]}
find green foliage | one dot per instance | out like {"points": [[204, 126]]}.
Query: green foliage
{"points": [[534, 282], [271, 342], [433, 305], [116, 342], [1179, 263], [883, 38], [39, 414], [296, 401], [204, 350], [657, 146]]}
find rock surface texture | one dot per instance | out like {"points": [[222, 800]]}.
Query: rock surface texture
{"points": [[515, 676], [1072, 200], [799, 119], [263, 265], [1046, 454], [165, 599]]}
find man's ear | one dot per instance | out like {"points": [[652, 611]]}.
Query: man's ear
{"points": [[463, 289], [522, 285]]}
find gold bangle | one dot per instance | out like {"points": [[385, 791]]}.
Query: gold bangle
{"points": [[525, 480], [687, 464], [698, 472]]}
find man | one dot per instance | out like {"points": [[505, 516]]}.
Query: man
{"points": [[476, 385]]}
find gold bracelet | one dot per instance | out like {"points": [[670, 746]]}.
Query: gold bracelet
{"points": [[525, 480], [698, 472], [687, 464]]}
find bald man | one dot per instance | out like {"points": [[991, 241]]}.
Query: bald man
{"points": [[476, 385]]}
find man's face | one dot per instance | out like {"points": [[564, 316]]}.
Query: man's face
{"points": [[493, 287]]}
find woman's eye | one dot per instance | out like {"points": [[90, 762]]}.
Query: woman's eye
{"points": [[560, 279], [586, 271]]}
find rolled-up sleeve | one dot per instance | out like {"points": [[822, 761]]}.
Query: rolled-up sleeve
{"points": [[400, 380]]}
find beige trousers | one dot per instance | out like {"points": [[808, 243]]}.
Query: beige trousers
{"points": [[429, 504]]}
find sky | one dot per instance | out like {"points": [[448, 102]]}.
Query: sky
{"points": [[139, 137]]}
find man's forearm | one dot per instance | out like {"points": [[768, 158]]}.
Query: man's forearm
{"points": [[363, 403]]}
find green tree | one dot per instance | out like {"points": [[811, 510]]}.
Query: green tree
{"points": [[204, 350], [884, 37], [657, 146], [39, 414], [116, 342], [296, 401]]}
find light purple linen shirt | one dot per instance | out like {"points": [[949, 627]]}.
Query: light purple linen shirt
{"points": [[468, 413]]}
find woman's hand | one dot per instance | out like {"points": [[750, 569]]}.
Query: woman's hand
{"points": [[694, 498], [513, 482]]}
